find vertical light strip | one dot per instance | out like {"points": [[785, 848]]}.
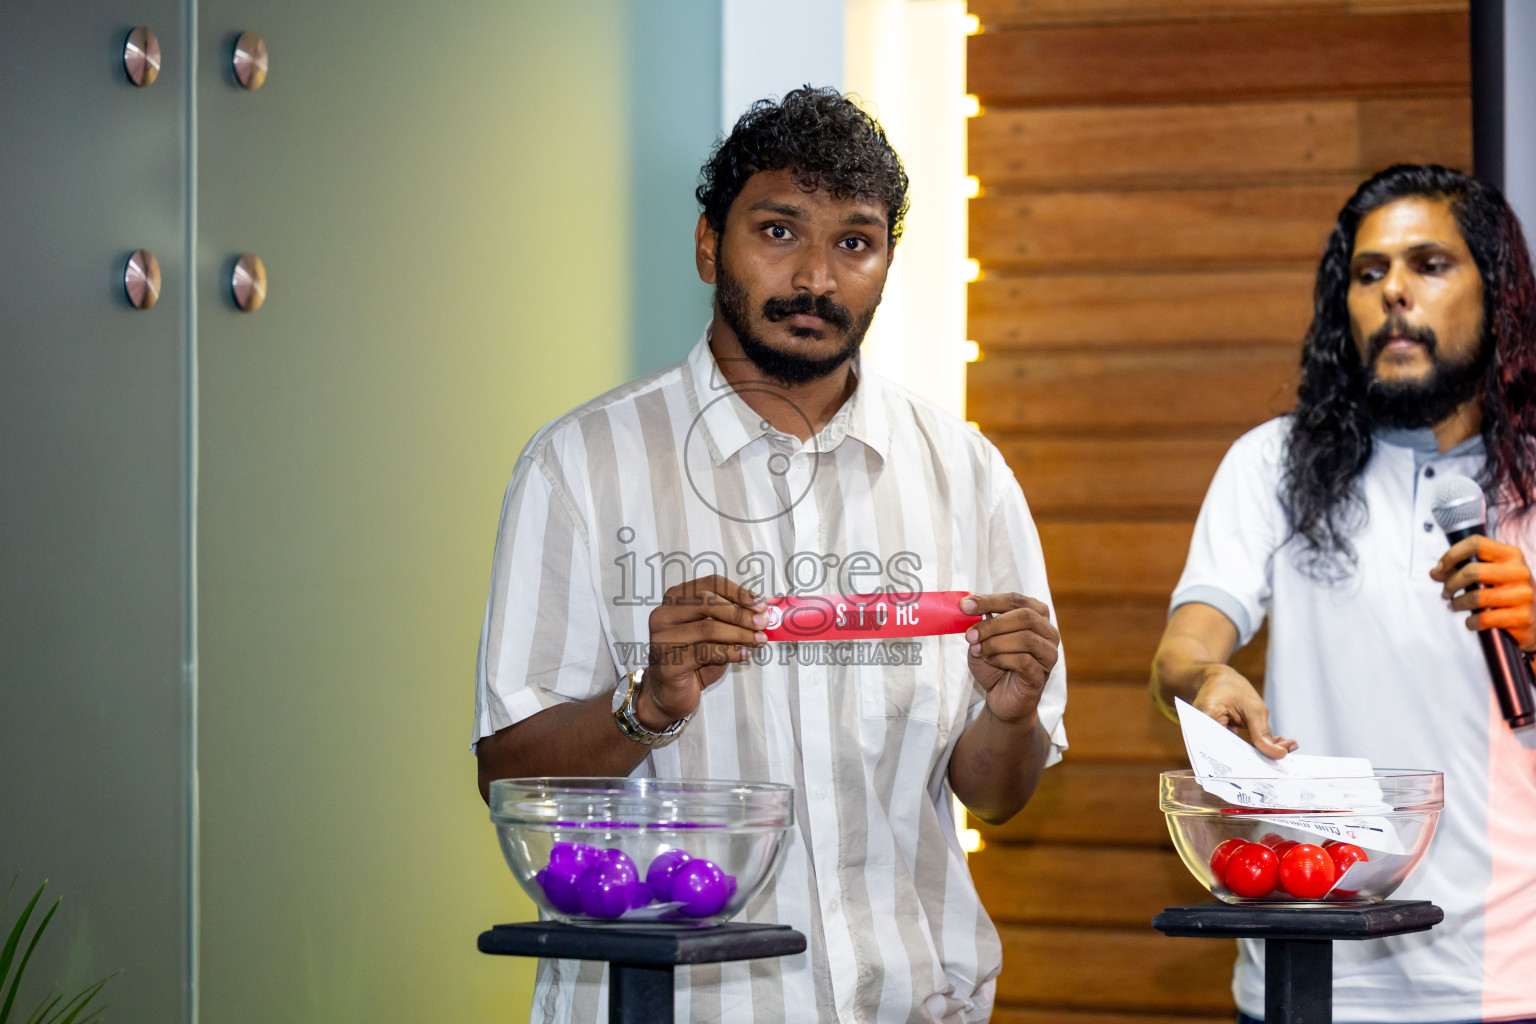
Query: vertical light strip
{"points": [[905, 62], [189, 539]]}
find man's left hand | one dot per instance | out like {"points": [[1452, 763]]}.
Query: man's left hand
{"points": [[1012, 652], [1506, 597]]}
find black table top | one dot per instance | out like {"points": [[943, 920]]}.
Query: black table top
{"points": [[654, 947], [1216, 919]]}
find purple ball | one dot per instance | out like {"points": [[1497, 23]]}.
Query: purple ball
{"points": [[613, 855], [659, 875], [607, 890], [572, 858], [700, 887], [560, 889], [642, 895]]}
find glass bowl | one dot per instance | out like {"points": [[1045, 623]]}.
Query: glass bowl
{"points": [[668, 852], [1389, 831]]}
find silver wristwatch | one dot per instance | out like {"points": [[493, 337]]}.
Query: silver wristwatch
{"points": [[624, 696]]}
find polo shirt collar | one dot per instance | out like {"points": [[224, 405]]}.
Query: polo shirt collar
{"points": [[1422, 442], [729, 424]]}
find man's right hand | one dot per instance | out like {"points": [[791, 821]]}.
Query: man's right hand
{"points": [[1231, 699], [700, 628]]}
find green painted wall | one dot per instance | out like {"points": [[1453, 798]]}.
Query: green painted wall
{"points": [[94, 754], [474, 216], [445, 197], [674, 120]]}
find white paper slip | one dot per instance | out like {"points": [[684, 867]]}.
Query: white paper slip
{"points": [[1364, 875], [1367, 831], [1233, 770]]}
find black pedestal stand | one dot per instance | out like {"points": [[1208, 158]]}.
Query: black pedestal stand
{"points": [[640, 960], [1298, 944]]}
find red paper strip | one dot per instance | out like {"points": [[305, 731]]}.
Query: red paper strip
{"points": [[861, 617]]}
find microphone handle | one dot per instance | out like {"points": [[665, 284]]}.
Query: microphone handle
{"points": [[1507, 664]]}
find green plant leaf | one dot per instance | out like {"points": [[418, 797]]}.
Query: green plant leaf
{"points": [[43, 1008], [5, 1009], [8, 954], [83, 1000], [7, 896]]}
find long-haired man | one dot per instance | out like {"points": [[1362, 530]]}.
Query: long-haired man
{"points": [[1420, 361]]}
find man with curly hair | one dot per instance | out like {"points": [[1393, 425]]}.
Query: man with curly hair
{"points": [[1420, 361], [645, 532]]}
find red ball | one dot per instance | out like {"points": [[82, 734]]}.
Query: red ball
{"points": [[1345, 854], [1284, 847], [1252, 871], [1307, 872], [1221, 855]]}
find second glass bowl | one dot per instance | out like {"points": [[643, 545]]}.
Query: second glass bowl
{"points": [[1392, 837]]}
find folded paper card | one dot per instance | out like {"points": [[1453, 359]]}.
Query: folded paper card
{"points": [[1290, 791]]}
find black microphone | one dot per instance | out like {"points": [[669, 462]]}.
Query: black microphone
{"points": [[1460, 510]]}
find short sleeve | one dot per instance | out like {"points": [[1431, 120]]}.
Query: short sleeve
{"points": [[1240, 527], [1016, 564], [544, 639]]}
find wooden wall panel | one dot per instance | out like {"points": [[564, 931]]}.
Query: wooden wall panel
{"points": [[1113, 636], [1116, 721], [1120, 479], [1158, 178], [1115, 561], [1119, 970], [999, 14], [1088, 802], [1217, 144], [1083, 885], [1109, 639], [1159, 230], [1118, 146], [1416, 131], [1147, 309], [1272, 57], [1223, 391]]}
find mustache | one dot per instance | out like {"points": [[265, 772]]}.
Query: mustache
{"points": [[1397, 327], [776, 309]]}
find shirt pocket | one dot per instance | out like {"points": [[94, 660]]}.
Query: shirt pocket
{"points": [[919, 689]]}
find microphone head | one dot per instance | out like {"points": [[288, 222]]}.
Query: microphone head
{"points": [[1459, 503]]}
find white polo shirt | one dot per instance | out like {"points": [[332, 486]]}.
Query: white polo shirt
{"points": [[1378, 666]]}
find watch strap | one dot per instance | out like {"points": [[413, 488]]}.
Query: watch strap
{"points": [[630, 724]]}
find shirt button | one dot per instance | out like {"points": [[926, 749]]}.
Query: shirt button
{"points": [[1429, 470], [832, 906], [822, 792], [1428, 527]]}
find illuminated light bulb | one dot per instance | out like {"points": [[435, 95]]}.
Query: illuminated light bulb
{"points": [[973, 270], [971, 105], [972, 186], [971, 841], [972, 351], [972, 24]]}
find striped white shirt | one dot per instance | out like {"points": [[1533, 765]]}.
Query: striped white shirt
{"points": [[673, 477]]}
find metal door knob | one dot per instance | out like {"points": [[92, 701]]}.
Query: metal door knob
{"points": [[141, 279], [250, 60], [141, 56], [249, 282]]}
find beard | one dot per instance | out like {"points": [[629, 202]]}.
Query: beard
{"points": [[789, 368], [1411, 404]]}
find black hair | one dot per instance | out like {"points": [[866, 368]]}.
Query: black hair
{"points": [[820, 136], [1330, 439]]}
